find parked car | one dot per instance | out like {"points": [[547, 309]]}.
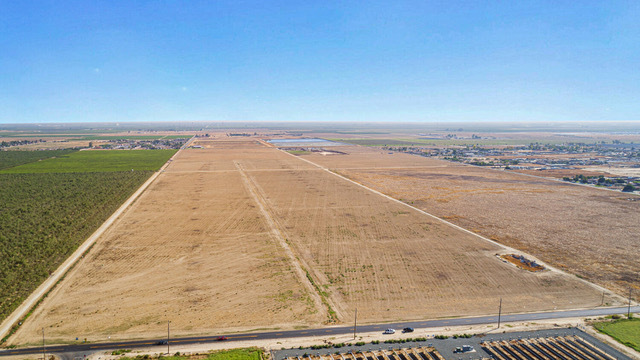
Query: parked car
{"points": [[407, 329], [463, 349], [389, 331]]}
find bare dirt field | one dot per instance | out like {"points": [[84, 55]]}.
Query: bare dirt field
{"points": [[238, 235], [586, 231]]}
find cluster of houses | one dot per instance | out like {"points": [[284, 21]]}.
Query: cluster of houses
{"points": [[134, 144]]}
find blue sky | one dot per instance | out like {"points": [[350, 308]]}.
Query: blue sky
{"points": [[82, 61]]}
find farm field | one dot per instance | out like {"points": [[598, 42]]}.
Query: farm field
{"points": [[10, 159], [586, 231], [193, 249], [97, 161], [46, 215], [625, 331], [238, 235]]}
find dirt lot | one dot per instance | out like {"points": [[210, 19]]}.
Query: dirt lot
{"points": [[586, 231], [223, 241]]}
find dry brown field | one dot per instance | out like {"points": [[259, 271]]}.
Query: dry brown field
{"points": [[587, 231], [561, 173], [223, 240]]}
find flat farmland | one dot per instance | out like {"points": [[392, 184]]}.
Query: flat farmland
{"points": [[588, 232], [193, 250], [392, 262], [238, 235]]}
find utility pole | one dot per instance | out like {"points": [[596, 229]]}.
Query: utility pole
{"points": [[499, 313], [629, 308], [168, 352], [602, 304], [44, 355], [355, 324]]}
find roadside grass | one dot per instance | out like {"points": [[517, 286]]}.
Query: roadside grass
{"points": [[234, 354], [97, 161], [9, 159], [625, 331]]}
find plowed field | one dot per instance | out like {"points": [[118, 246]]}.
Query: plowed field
{"points": [[586, 231], [239, 235]]}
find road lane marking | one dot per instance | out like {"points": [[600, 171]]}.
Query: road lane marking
{"points": [[183, 340]]}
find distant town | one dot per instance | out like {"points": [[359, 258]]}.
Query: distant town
{"points": [[549, 160]]}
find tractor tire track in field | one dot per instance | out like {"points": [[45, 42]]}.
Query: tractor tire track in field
{"points": [[301, 270]]}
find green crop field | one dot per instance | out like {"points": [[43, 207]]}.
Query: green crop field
{"points": [[625, 331], [97, 161], [10, 159], [234, 354], [168, 137], [49, 207]]}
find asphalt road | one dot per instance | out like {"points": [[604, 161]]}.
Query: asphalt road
{"points": [[328, 331]]}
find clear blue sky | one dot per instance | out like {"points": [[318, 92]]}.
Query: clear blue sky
{"points": [[79, 61]]}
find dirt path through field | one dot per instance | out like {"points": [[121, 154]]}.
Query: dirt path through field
{"points": [[276, 233]]}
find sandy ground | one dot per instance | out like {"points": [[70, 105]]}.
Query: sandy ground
{"points": [[223, 239], [586, 231]]}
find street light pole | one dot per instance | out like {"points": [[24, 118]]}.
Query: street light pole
{"points": [[44, 355], [499, 313], [168, 352]]}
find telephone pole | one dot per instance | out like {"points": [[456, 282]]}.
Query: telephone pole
{"points": [[44, 354], [629, 308], [355, 324], [499, 313], [168, 352]]}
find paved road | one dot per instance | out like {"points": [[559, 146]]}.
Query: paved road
{"points": [[328, 331]]}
